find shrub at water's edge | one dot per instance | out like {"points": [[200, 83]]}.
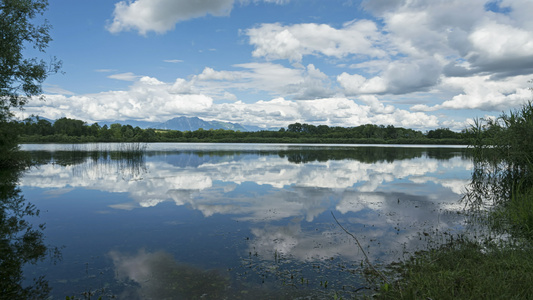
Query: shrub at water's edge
{"points": [[497, 264], [502, 177], [11, 157]]}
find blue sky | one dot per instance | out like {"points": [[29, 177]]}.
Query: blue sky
{"points": [[416, 64]]}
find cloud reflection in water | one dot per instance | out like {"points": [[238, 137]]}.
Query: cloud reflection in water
{"points": [[159, 276], [385, 200]]}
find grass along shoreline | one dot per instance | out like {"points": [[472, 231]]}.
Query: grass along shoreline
{"points": [[497, 264]]}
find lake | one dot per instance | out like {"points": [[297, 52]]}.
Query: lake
{"points": [[237, 221]]}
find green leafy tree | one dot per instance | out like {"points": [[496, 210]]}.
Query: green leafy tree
{"points": [[20, 77], [44, 127], [296, 127], [116, 131], [93, 130], [149, 135], [70, 127], [391, 132], [127, 132], [442, 133], [104, 133]]}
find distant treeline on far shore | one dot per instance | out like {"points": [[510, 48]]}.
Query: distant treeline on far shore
{"points": [[65, 130]]}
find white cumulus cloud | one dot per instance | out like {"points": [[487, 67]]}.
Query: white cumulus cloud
{"points": [[161, 16], [276, 41]]}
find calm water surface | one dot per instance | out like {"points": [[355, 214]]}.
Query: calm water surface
{"points": [[185, 221]]}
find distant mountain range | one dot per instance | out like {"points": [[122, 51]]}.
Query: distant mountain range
{"points": [[188, 124], [181, 124]]}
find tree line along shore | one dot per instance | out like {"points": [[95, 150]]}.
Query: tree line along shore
{"points": [[66, 130]]}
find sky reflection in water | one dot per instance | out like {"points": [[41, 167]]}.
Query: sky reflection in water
{"points": [[220, 207]]}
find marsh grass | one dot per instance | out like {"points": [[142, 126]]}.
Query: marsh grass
{"points": [[465, 270], [499, 263], [516, 216]]}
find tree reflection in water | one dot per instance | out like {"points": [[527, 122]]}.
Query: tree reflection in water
{"points": [[290, 251], [95, 163], [20, 242]]}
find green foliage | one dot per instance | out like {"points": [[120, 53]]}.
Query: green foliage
{"points": [[519, 212], [10, 156], [442, 133], [76, 131], [70, 127], [465, 270], [503, 164], [20, 77], [499, 199]]}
